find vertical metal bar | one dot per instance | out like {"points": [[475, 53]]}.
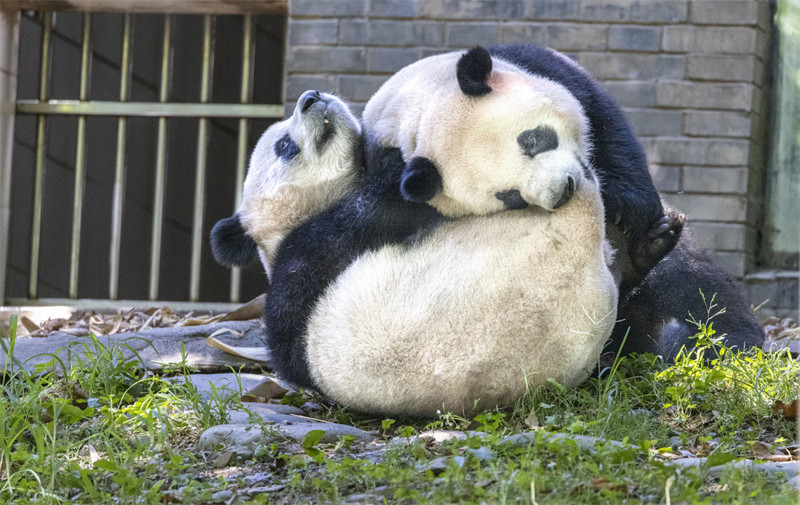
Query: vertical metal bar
{"points": [[80, 158], [161, 160], [119, 172], [36, 222], [200, 174], [245, 96]]}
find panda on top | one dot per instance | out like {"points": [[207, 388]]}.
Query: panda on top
{"points": [[382, 228]]}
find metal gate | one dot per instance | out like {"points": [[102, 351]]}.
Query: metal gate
{"points": [[232, 115]]}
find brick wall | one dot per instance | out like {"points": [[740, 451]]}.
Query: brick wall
{"points": [[690, 76]]}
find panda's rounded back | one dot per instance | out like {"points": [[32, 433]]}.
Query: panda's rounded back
{"points": [[478, 310]]}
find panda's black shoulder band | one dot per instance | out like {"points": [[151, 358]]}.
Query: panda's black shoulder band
{"points": [[473, 71]]}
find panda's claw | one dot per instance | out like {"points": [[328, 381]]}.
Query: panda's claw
{"points": [[660, 239]]}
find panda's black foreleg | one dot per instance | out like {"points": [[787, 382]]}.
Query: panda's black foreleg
{"points": [[315, 253]]}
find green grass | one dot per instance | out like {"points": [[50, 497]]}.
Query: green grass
{"points": [[101, 430]]}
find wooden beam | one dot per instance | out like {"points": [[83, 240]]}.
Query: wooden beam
{"points": [[156, 6]]}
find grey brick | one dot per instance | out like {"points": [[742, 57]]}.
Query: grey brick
{"points": [[632, 93], [473, 9], [733, 262], [724, 12], [705, 95], [343, 8], [714, 179], [715, 123], [635, 38], [553, 9], [394, 8], [391, 59], [721, 67], [633, 65], [470, 34], [709, 39], [405, 33], [666, 177], [352, 32], [651, 122], [360, 88], [562, 36], [313, 31], [427, 51], [724, 208], [651, 11], [699, 151], [326, 59], [719, 236], [296, 84]]}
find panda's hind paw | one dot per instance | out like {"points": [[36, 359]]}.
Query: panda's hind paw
{"points": [[661, 238]]}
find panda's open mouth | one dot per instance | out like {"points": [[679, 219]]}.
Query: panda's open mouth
{"points": [[328, 129]]}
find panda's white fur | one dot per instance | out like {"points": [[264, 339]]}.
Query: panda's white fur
{"points": [[470, 315], [485, 305], [280, 193], [422, 110]]}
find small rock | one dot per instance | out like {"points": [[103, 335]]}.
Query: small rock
{"points": [[243, 417], [222, 496], [225, 383], [332, 431], [794, 483], [275, 408], [583, 442], [241, 440]]}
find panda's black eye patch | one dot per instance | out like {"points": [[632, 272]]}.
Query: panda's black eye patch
{"points": [[286, 148], [540, 139]]}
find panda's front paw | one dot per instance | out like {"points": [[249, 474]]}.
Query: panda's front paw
{"points": [[661, 238]]}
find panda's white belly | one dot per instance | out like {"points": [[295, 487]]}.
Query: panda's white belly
{"points": [[470, 315]]}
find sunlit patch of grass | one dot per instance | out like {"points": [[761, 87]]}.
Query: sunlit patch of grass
{"points": [[102, 430]]}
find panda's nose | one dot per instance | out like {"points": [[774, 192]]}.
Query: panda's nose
{"points": [[308, 99], [569, 190]]}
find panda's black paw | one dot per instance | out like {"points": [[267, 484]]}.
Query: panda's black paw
{"points": [[661, 238]]}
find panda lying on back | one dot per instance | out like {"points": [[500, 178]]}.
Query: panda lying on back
{"points": [[299, 166]]}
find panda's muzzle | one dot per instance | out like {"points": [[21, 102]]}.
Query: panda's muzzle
{"points": [[569, 190], [308, 99]]}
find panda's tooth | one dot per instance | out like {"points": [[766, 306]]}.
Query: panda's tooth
{"points": [[325, 121]]}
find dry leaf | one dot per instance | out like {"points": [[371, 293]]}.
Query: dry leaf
{"points": [[532, 421], [253, 309], [222, 460], [761, 449], [267, 389], [28, 324], [789, 411], [601, 484]]}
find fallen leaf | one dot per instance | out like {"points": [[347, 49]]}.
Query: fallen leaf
{"points": [[222, 460], [253, 309], [532, 421], [28, 324], [601, 484], [761, 449], [267, 389], [789, 410]]}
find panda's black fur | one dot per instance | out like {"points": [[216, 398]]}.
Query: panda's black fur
{"points": [[315, 253], [230, 244]]}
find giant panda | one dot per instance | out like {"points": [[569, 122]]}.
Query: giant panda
{"points": [[299, 166], [460, 275]]}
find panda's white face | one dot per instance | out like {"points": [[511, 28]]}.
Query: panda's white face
{"points": [[523, 143], [300, 166]]}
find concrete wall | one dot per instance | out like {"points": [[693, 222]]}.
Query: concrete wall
{"points": [[691, 76]]}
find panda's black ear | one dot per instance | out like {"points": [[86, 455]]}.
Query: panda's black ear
{"points": [[231, 245], [473, 71], [420, 180]]}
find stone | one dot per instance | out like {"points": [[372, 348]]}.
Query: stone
{"points": [[633, 66], [709, 39], [723, 67], [438, 436], [333, 432], [243, 417], [241, 440], [225, 383], [717, 123], [391, 59], [313, 31], [155, 347], [725, 12], [682, 94], [584, 442]]}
